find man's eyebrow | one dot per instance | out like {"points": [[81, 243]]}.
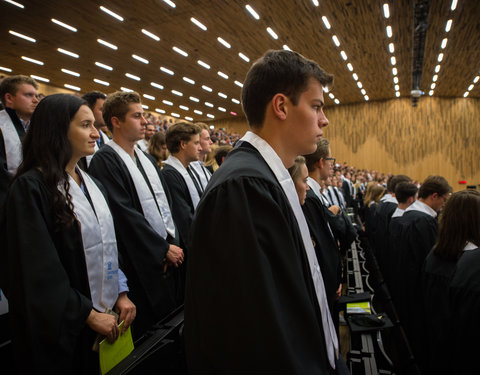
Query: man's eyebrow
{"points": [[322, 103]]}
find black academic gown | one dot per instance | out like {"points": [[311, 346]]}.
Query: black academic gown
{"points": [[5, 177], [383, 215], [393, 267], [464, 298], [328, 253], [250, 303], [419, 233], [436, 277], [142, 249], [45, 279]]}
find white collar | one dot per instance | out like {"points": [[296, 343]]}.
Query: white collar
{"points": [[470, 246], [389, 198], [398, 212], [422, 207], [315, 186]]}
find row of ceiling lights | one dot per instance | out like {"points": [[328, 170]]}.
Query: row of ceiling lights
{"points": [[391, 49]]}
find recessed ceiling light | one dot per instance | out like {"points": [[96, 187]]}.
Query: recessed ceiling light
{"points": [[206, 88], [15, 3], [394, 71], [150, 97], [209, 104], [198, 112], [178, 93], [242, 56], [434, 78], [38, 78], [286, 48], [222, 95], [65, 52], [136, 78], [386, 11], [366, 97], [454, 5], [156, 85], [397, 88], [359, 84], [350, 67], [221, 109], [199, 24], [224, 42], [440, 57], [343, 54], [336, 41], [397, 94], [437, 68], [107, 44], [22, 36], [167, 102], [393, 60], [395, 80], [72, 73], [113, 14], [209, 115], [389, 31], [475, 80], [72, 87], [236, 101], [29, 59], [272, 33], [448, 26], [430, 92], [166, 70], [223, 75], [5, 69], [232, 113], [151, 35], [239, 84], [205, 65], [355, 77], [466, 94], [363, 92], [470, 87], [141, 59], [326, 23], [191, 81], [337, 101], [331, 96], [63, 24], [99, 81], [188, 118], [159, 110], [444, 43], [194, 99], [391, 47], [180, 51], [126, 89], [185, 108], [169, 2], [104, 66], [252, 12], [175, 114]]}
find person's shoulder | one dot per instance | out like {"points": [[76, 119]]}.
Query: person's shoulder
{"points": [[29, 182]]}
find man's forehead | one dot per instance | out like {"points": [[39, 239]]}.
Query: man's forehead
{"points": [[135, 107], [26, 87]]}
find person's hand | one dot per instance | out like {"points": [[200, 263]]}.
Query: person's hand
{"points": [[105, 324], [174, 256], [126, 309], [334, 209], [338, 293]]}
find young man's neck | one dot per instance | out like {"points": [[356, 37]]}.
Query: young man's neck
{"points": [[21, 116], [403, 206], [128, 146], [275, 141], [315, 174], [180, 156], [427, 202]]}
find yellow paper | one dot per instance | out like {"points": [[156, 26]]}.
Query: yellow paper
{"points": [[359, 308], [113, 354]]}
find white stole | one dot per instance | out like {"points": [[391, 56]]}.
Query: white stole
{"points": [[99, 242], [13, 144], [202, 172], [283, 177], [155, 207], [177, 164]]}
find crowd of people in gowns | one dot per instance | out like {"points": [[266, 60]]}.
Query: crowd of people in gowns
{"points": [[127, 224]]}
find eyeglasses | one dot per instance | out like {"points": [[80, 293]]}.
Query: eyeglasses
{"points": [[330, 159]]}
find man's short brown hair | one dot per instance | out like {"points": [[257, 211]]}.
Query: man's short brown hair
{"points": [[11, 84], [117, 105], [323, 149], [434, 184], [181, 131]]}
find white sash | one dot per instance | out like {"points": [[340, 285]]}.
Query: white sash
{"points": [[13, 144], [202, 172], [155, 207], [99, 242], [283, 177], [177, 164], [88, 158]]}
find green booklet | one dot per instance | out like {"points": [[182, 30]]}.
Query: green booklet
{"points": [[113, 354], [359, 308]]}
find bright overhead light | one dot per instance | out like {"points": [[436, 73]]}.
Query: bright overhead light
{"points": [[343, 54], [169, 2], [395, 80], [236, 101], [359, 84], [38, 78], [178, 93], [272, 33], [355, 77], [22, 36], [136, 78], [386, 10], [475, 80], [191, 81], [167, 102], [29, 59], [5, 69], [394, 71], [180, 51], [466, 94], [397, 94], [210, 116], [151, 35], [104, 66], [437, 68], [393, 60], [15, 3], [99, 81], [286, 48], [432, 86], [440, 57], [156, 85], [144, 106], [430, 92], [107, 44], [391, 47], [363, 92], [336, 41], [63, 24], [72, 73], [185, 108], [222, 95], [434, 78], [141, 59], [166, 70], [126, 89], [113, 14], [397, 88], [199, 24], [315, 2], [223, 75], [151, 97], [389, 31], [201, 63], [454, 5], [175, 114], [206, 88], [252, 12], [222, 109], [350, 67], [194, 99], [65, 52], [448, 26], [159, 110], [366, 97], [198, 112], [209, 104], [470, 87], [224, 42], [239, 84], [71, 87], [444, 43], [331, 96], [336, 101], [188, 118], [326, 23], [242, 56], [231, 112]]}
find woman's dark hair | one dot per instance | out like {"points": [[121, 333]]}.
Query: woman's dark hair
{"points": [[47, 148], [459, 223]]}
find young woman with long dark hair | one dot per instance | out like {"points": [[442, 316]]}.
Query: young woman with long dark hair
{"points": [[59, 256]]}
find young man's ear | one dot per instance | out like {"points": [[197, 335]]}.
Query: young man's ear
{"points": [[320, 163], [115, 122], [278, 106]]}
